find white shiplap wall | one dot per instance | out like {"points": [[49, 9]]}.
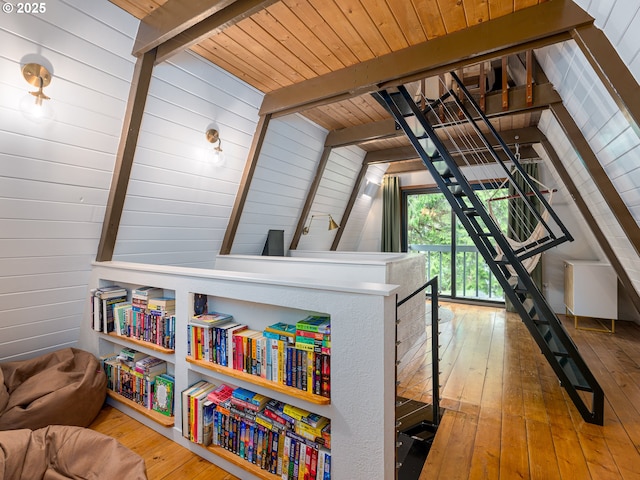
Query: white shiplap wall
{"points": [[332, 197], [584, 245], [620, 21], [358, 230], [286, 167], [178, 202], [54, 177], [609, 135]]}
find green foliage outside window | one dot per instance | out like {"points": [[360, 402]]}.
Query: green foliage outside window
{"points": [[429, 222]]}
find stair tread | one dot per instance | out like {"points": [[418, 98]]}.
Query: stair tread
{"points": [[548, 332]]}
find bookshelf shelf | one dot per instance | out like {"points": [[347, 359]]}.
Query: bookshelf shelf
{"points": [[163, 420], [236, 460], [143, 343], [362, 352], [289, 391]]}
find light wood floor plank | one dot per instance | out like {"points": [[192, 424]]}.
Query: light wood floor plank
{"points": [[164, 459], [526, 425]]}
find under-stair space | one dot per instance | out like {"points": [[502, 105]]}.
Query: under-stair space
{"points": [[417, 419], [467, 141]]}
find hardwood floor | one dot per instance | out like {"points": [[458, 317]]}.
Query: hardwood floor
{"points": [[506, 414], [164, 459]]}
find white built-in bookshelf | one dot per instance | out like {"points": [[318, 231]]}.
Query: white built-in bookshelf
{"points": [[361, 407]]}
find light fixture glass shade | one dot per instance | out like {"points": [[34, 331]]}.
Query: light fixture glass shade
{"points": [[217, 156], [36, 109]]}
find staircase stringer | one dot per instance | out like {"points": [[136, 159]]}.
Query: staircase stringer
{"points": [[541, 321]]}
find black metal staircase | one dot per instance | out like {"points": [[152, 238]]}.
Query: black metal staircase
{"points": [[505, 261]]}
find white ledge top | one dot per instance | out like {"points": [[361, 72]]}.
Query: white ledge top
{"points": [[369, 288]]}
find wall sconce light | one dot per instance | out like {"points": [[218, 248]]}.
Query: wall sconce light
{"points": [[213, 136], [370, 189], [332, 224], [36, 109]]}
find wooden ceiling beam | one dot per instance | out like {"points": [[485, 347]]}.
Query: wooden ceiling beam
{"points": [[404, 161], [245, 184], [210, 25], [532, 27], [311, 195], [360, 179], [138, 91], [544, 95], [521, 136], [171, 19]]}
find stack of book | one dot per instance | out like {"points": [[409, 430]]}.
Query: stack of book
{"points": [[149, 316], [280, 438], [103, 301], [160, 321], [313, 336], [210, 337], [134, 375]]}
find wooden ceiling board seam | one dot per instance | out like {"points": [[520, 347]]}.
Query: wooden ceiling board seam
{"points": [[228, 67], [282, 59], [368, 114], [374, 110], [300, 49], [357, 114], [308, 37], [359, 18], [343, 113], [225, 18], [546, 24], [408, 21], [323, 119], [343, 28], [476, 11], [136, 9], [388, 26], [222, 48], [498, 8], [453, 16], [309, 16], [429, 13], [249, 61]]}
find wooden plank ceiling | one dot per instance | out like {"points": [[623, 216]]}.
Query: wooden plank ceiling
{"points": [[292, 41]]}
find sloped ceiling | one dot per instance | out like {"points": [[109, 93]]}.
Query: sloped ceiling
{"points": [[323, 57]]}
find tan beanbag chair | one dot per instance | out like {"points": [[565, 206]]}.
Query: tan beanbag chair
{"points": [[62, 452], [65, 387]]}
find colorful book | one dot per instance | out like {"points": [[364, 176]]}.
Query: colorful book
{"points": [[282, 328], [163, 394], [315, 323], [220, 394], [210, 319]]}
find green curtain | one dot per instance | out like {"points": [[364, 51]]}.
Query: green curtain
{"points": [[391, 225], [520, 218]]}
